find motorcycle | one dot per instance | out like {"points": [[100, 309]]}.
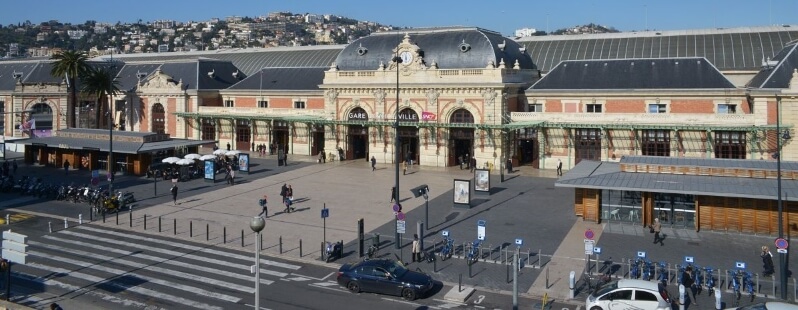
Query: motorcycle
{"points": [[333, 250]]}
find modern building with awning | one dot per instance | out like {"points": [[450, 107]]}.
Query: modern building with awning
{"points": [[697, 193]]}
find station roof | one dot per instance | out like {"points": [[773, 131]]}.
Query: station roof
{"points": [[122, 147], [608, 175]]}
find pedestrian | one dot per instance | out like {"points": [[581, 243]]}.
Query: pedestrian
{"points": [[509, 165], [284, 191], [66, 166], [289, 199], [473, 164], [264, 210], [416, 249], [767, 261], [232, 177], [14, 166], [55, 306], [689, 283], [404, 167], [393, 194], [559, 167], [460, 161], [228, 146], [174, 193], [341, 154], [280, 157], [657, 228], [373, 163]]}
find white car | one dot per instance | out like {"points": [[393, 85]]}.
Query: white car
{"points": [[770, 305], [629, 294]]}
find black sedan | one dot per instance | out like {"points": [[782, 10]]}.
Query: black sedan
{"points": [[384, 276]]}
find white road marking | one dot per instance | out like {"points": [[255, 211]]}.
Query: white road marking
{"points": [[157, 259], [77, 290], [417, 305], [335, 289], [331, 273], [298, 279], [119, 272], [450, 302], [175, 253], [191, 247], [325, 283], [134, 289], [253, 306]]}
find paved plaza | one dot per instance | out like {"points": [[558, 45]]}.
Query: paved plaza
{"points": [[526, 206]]}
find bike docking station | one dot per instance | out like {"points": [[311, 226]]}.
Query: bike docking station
{"points": [[457, 294]]}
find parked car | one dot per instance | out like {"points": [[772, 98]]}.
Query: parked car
{"points": [[629, 294], [770, 305], [384, 276]]}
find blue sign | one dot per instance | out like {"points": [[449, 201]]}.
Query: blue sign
{"points": [[445, 233], [519, 242], [210, 172], [688, 259], [641, 254], [740, 265], [481, 230], [481, 223], [325, 213]]}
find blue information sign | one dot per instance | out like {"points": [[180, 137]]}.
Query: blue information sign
{"points": [[325, 213]]}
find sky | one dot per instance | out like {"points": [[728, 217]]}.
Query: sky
{"points": [[501, 16]]}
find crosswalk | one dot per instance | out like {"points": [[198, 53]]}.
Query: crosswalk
{"points": [[132, 270]]}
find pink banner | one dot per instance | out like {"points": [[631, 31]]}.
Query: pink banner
{"points": [[428, 116]]}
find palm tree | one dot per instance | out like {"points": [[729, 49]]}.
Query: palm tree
{"points": [[101, 83], [72, 66]]}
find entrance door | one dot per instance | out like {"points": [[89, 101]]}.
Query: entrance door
{"points": [[461, 146], [243, 135], [408, 141], [280, 136], [317, 144], [358, 142]]}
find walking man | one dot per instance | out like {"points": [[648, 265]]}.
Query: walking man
{"points": [[473, 163], [657, 229], [373, 163], [174, 193], [393, 194], [66, 167], [559, 167], [416, 249], [264, 210]]}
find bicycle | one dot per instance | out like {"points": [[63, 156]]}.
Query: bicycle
{"points": [[448, 248], [662, 275], [710, 280], [634, 269], [373, 251], [748, 284], [648, 269], [735, 283], [473, 252]]}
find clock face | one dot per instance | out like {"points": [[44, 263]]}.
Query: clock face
{"points": [[407, 57]]}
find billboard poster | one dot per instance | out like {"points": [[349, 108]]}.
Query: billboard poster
{"points": [[210, 172], [481, 180], [243, 162], [462, 191]]}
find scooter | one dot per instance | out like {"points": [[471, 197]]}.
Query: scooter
{"points": [[334, 250]]}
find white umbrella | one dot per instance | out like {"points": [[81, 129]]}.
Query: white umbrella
{"points": [[232, 153], [208, 157], [170, 160], [192, 156], [184, 162], [219, 152]]}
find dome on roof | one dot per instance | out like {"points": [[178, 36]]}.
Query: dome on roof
{"points": [[447, 48]]}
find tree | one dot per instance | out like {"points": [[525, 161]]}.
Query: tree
{"points": [[101, 83], [72, 65]]}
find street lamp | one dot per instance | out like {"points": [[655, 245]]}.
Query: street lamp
{"points": [[398, 61], [785, 136], [256, 225]]}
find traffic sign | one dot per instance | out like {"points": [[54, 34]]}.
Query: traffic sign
{"points": [[325, 213], [397, 208], [641, 254], [589, 246], [519, 242], [589, 234], [596, 250], [740, 265], [445, 233], [400, 216], [15, 247], [781, 243], [688, 259], [782, 251], [400, 227]]}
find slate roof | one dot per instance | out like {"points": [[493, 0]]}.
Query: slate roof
{"points": [[778, 76], [295, 78], [122, 147], [439, 45], [628, 74], [128, 76], [741, 48], [249, 60], [7, 70], [608, 175]]}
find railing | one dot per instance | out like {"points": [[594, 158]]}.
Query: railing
{"points": [[636, 118]]}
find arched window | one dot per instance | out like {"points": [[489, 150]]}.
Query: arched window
{"points": [[462, 116], [158, 118], [43, 116]]}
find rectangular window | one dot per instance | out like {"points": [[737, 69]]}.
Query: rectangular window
{"points": [[593, 108], [263, 104], [208, 129], [587, 144], [299, 104], [730, 144], [228, 103], [535, 107], [656, 143], [657, 108], [727, 108]]}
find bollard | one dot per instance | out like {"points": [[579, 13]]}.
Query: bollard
{"points": [[117, 218], [224, 232], [717, 299], [540, 259], [174, 224], [322, 250], [66, 223], [460, 283], [242, 238], [91, 215], [50, 226], [757, 284], [547, 278], [469, 268], [145, 222], [281, 244], [80, 219], [8, 219], [130, 217], [207, 232], [159, 224], [300, 247], [681, 296], [191, 229], [508, 272], [103, 217], [571, 284], [773, 280]]}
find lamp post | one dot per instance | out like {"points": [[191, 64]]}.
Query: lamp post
{"points": [[398, 61], [256, 225], [779, 137]]}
